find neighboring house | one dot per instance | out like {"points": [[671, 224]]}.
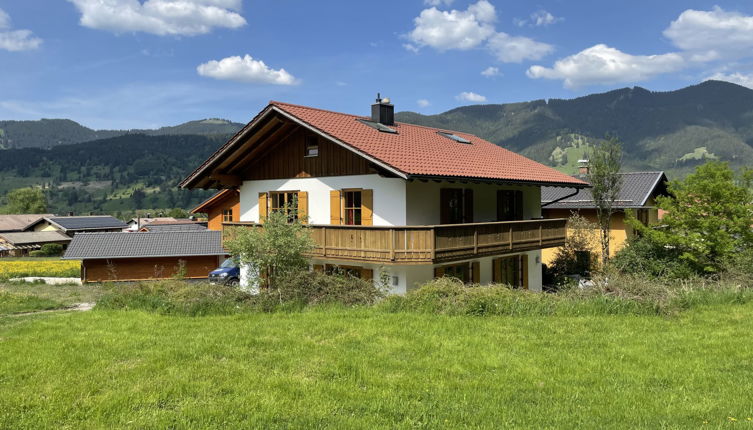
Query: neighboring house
{"points": [[177, 225], [224, 206], [71, 225], [416, 202], [19, 244], [135, 224], [11, 223], [137, 256], [637, 194]]}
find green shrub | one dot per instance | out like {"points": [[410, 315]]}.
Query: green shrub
{"points": [[652, 260], [37, 253], [52, 249]]}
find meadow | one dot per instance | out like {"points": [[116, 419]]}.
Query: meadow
{"points": [[369, 367], [38, 266]]}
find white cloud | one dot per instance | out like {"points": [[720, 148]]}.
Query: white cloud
{"points": [[423, 103], [540, 18], [601, 64], [712, 34], [467, 96], [245, 69], [455, 29], [516, 49], [736, 78], [438, 2], [16, 40], [160, 17], [490, 71], [411, 47]]}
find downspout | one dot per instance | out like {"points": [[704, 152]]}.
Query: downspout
{"points": [[577, 190]]}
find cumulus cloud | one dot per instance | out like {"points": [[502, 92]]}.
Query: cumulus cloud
{"points": [[160, 17], [16, 40], [736, 78], [713, 34], [467, 96], [490, 71], [540, 18], [602, 64], [516, 49], [245, 69], [423, 103]]}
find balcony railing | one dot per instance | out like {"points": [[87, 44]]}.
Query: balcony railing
{"points": [[432, 243]]}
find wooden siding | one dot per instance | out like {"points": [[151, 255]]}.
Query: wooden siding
{"points": [[285, 159], [214, 213], [138, 269], [430, 244]]}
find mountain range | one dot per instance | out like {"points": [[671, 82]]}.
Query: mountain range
{"points": [[118, 171]]}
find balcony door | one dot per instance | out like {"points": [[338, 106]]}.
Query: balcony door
{"points": [[509, 205], [455, 206], [512, 270]]}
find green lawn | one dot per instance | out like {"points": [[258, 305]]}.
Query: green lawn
{"points": [[370, 369], [18, 297]]}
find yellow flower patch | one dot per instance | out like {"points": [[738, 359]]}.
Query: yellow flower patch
{"points": [[46, 268]]}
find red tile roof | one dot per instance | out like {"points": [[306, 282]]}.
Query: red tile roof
{"points": [[418, 150], [414, 151]]}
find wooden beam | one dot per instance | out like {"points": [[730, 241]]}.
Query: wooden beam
{"points": [[272, 123], [260, 150], [227, 180]]}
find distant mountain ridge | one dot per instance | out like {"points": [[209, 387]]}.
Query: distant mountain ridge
{"points": [[671, 131], [48, 133]]}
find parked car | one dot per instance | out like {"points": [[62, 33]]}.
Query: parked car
{"points": [[228, 273]]}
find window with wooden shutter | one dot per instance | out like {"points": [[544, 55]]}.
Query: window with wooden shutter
{"points": [[512, 271], [303, 207], [354, 271], [263, 208], [461, 271], [352, 210], [509, 205], [367, 207], [467, 205], [284, 201], [335, 210], [475, 272]]}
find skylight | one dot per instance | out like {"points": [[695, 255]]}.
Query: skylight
{"points": [[454, 137], [375, 125]]}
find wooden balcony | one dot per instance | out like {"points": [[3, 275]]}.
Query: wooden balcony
{"points": [[430, 244]]}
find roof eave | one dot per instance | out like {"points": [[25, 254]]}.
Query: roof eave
{"points": [[112, 257], [499, 180]]}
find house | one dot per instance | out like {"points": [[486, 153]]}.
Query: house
{"points": [[414, 202], [176, 225], [135, 224], [71, 225], [223, 206], [18, 244], [123, 256], [637, 195], [15, 223]]}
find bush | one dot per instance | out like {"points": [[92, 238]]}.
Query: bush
{"points": [[52, 249], [643, 256], [37, 253], [314, 288]]}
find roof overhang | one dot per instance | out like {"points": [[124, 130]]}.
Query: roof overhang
{"points": [[501, 181], [120, 257]]}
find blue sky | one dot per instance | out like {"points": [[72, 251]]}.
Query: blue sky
{"points": [[148, 63]]}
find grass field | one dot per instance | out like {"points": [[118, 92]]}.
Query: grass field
{"points": [[26, 297], [342, 368], [39, 266]]}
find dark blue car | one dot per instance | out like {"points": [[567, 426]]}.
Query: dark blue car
{"points": [[228, 273]]}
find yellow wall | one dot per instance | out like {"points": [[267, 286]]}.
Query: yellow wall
{"points": [[619, 234]]}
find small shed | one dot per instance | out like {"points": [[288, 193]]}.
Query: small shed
{"points": [[123, 256], [19, 244]]}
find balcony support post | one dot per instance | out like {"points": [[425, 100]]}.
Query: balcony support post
{"points": [[324, 241], [392, 244], [433, 243], [475, 241]]}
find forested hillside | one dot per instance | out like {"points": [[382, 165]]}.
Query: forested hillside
{"points": [[48, 133], [112, 175], [671, 131]]}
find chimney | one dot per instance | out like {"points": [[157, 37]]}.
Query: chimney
{"points": [[583, 167], [382, 111]]}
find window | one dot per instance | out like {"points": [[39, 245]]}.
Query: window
{"points": [[285, 201], [511, 271], [312, 146], [454, 137], [227, 215], [466, 272], [381, 127], [352, 208], [509, 205], [456, 205], [354, 271]]}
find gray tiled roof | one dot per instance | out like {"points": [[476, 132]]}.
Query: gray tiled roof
{"points": [[636, 188], [175, 227], [129, 245], [26, 237], [87, 222]]}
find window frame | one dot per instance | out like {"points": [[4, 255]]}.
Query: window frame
{"points": [[290, 196], [227, 215], [311, 142], [355, 208]]}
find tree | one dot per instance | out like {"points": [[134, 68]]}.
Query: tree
{"points": [[604, 168], [26, 201], [709, 217], [178, 213], [575, 256], [275, 250]]}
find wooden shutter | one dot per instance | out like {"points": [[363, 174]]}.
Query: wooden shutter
{"points": [[444, 205], [467, 205], [475, 272], [367, 207], [367, 274], [303, 207], [438, 272], [335, 208], [263, 207], [319, 268], [524, 269], [495, 271], [518, 205]]}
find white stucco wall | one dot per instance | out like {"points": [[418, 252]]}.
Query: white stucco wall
{"points": [[389, 196], [423, 201]]}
